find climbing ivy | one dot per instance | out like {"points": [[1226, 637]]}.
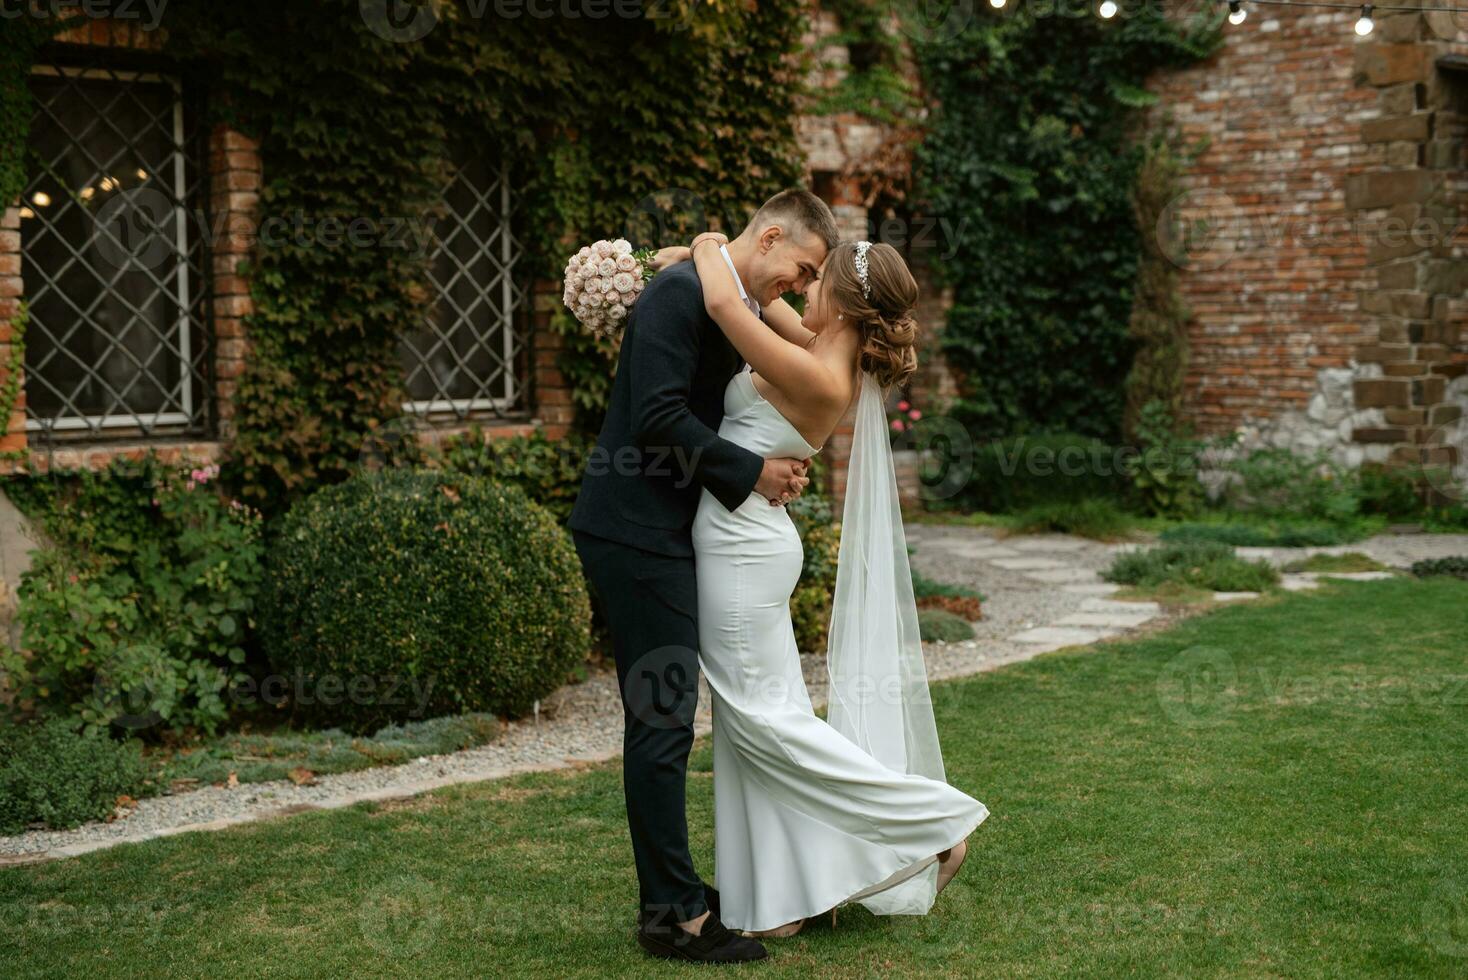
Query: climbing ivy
{"points": [[590, 115], [1031, 156]]}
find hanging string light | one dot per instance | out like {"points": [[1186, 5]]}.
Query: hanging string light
{"points": [[1108, 9]]}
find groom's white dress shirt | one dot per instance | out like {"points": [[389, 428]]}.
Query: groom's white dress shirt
{"points": [[748, 300]]}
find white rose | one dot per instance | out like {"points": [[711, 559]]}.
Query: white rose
{"points": [[617, 314], [626, 263], [637, 285], [596, 284], [622, 282], [593, 300], [585, 253], [608, 267], [638, 272], [611, 296], [628, 299], [603, 248], [568, 296], [621, 247]]}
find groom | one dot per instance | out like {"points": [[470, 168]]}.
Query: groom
{"points": [[657, 451]]}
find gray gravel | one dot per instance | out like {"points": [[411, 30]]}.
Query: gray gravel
{"points": [[582, 723]]}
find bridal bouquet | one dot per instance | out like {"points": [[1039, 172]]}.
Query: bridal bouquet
{"points": [[603, 280]]}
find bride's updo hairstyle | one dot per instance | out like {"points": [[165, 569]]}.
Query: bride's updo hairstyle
{"points": [[884, 317]]}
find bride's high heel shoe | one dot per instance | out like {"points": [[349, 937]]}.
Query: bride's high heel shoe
{"points": [[949, 862], [780, 932]]}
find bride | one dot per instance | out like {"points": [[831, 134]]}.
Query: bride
{"points": [[809, 814]]}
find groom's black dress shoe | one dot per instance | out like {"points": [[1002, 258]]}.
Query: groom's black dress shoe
{"points": [[714, 944]]}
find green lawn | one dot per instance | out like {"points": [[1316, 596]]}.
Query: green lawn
{"points": [[1274, 789]]}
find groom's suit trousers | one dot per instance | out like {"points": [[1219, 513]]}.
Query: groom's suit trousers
{"points": [[651, 605]]}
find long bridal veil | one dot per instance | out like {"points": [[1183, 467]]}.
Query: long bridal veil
{"points": [[879, 684]]}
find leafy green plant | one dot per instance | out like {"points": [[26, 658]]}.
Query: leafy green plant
{"points": [[1352, 561], [1100, 520], [1279, 483], [1456, 567], [1159, 317], [942, 626], [59, 777], [1203, 564], [137, 610], [1390, 492], [1270, 533], [548, 471], [253, 757], [820, 538], [1164, 473], [410, 593]]}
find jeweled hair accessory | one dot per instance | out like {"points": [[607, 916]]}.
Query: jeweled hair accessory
{"points": [[861, 269]]}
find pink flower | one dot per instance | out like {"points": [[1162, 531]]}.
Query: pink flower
{"points": [[637, 285], [611, 296], [585, 253], [629, 298], [608, 267], [897, 425], [903, 406], [602, 248], [626, 263], [621, 247], [914, 415], [622, 282]]}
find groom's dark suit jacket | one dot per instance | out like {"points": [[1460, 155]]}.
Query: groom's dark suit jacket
{"points": [[659, 445]]}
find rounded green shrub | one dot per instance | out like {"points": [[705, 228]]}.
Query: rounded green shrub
{"points": [[50, 773], [412, 593], [940, 625]]}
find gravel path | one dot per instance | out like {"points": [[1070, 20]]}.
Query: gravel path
{"points": [[1043, 592]]}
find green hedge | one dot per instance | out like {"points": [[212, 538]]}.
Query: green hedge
{"points": [[1015, 474], [432, 592], [52, 774]]}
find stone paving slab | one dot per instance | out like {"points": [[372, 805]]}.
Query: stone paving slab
{"points": [[1105, 620], [1298, 583], [1354, 576], [1234, 596], [1026, 564], [1062, 576], [1091, 588], [1113, 606], [1061, 635], [1050, 544]]}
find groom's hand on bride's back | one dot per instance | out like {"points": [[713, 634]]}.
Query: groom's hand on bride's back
{"points": [[782, 480]]}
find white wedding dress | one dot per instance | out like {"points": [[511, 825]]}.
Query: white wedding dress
{"points": [[807, 814]]}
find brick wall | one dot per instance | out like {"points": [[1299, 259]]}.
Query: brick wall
{"points": [[1315, 327]]}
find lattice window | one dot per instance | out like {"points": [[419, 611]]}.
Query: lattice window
{"points": [[468, 356], [114, 256]]}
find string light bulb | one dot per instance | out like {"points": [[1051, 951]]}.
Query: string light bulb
{"points": [[997, 4], [1236, 12], [1365, 25], [1107, 10]]}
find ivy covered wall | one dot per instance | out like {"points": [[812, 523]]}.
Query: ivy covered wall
{"points": [[1031, 151]]}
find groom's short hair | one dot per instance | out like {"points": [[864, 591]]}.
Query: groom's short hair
{"points": [[798, 210]]}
